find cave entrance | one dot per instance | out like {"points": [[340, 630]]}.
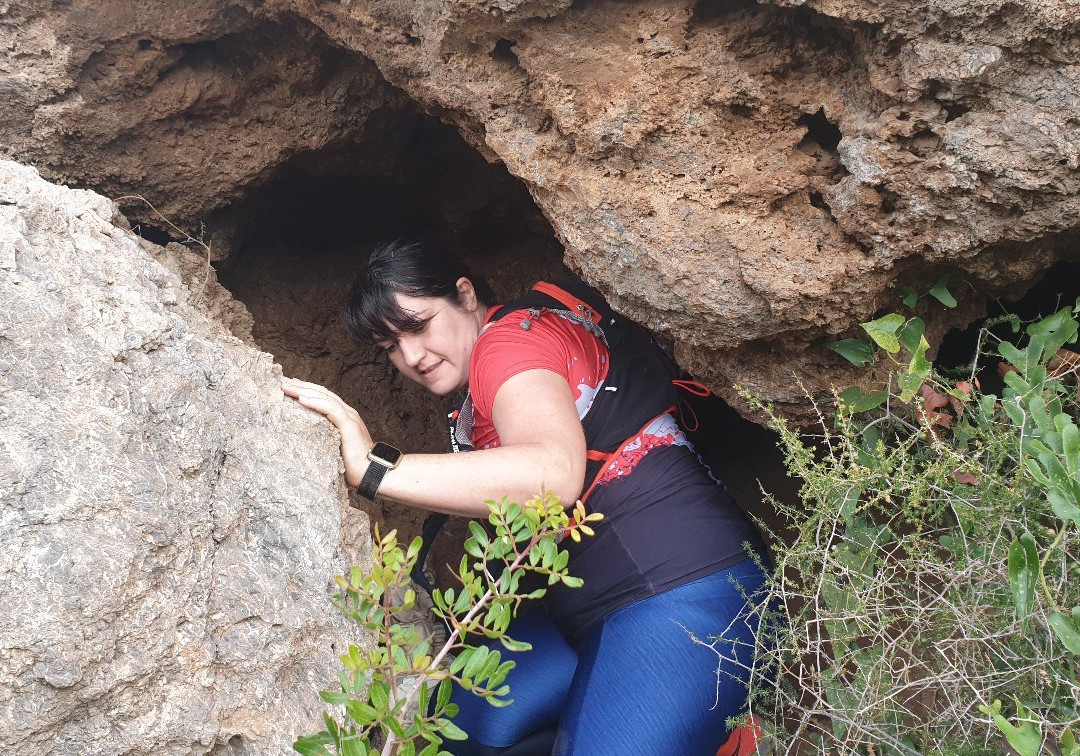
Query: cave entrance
{"points": [[972, 351], [300, 239]]}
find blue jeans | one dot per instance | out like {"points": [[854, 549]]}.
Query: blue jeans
{"points": [[636, 684]]}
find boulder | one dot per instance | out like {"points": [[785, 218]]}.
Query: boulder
{"points": [[170, 524]]}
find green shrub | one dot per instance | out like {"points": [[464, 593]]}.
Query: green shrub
{"points": [[385, 693], [932, 569]]}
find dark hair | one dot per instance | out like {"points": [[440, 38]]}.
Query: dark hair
{"points": [[412, 268]]}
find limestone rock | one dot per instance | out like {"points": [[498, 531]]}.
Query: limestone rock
{"points": [[169, 523]]}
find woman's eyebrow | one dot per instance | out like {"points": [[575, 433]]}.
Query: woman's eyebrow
{"points": [[420, 318]]}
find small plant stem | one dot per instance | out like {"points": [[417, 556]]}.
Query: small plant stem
{"points": [[391, 739], [1042, 567], [388, 599], [187, 237]]}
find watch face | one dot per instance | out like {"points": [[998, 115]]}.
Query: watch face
{"points": [[385, 454]]}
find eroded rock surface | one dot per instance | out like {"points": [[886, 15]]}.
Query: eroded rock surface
{"points": [[169, 524], [750, 179]]}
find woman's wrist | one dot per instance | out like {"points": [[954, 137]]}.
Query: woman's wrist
{"points": [[355, 454]]}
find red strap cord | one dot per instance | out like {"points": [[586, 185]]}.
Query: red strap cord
{"points": [[694, 387], [687, 417], [601, 456]]}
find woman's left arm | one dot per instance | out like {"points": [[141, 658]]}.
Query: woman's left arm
{"points": [[542, 445]]}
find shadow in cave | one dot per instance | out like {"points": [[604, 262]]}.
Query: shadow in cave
{"points": [[745, 456], [1059, 287], [301, 238]]}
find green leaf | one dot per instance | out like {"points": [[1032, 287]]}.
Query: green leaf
{"points": [[424, 697], [500, 674], [1068, 744], [1025, 739], [1018, 359], [1059, 476], [336, 698], [1066, 632], [313, 745], [856, 401], [883, 331], [917, 372], [911, 297], [380, 695], [1063, 505], [491, 665], [1070, 444], [442, 695], [858, 352], [478, 533], [476, 661], [395, 726], [451, 731], [846, 500], [941, 293], [461, 660], [911, 335], [1023, 574], [414, 548], [353, 746], [514, 645], [1054, 332], [472, 548], [361, 713]]}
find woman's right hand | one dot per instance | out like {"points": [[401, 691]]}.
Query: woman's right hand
{"points": [[355, 439]]}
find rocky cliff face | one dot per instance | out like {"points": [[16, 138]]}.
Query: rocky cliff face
{"points": [[169, 524], [750, 179]]}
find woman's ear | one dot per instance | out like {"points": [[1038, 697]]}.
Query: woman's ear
{"points": [[466, 294]]}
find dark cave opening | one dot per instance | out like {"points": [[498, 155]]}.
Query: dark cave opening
{"points": [[302, 236], [300, 239], [1059, 287], [820, 130]]}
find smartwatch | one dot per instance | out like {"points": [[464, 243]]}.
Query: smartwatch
{"points": [[382, 457]]}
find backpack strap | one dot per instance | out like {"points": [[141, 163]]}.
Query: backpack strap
{"points": [[568, 300]]}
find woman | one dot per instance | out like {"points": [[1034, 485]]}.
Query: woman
{"points": [[613, 668]]}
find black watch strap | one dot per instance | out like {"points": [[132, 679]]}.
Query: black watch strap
{"points": [[382, 457]]}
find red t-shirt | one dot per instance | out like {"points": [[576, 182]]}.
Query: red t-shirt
{"points": [[550, 342]]}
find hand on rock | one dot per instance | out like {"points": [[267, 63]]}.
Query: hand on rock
{"points": [[355, 439]]}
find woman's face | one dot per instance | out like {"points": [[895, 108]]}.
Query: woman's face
{"points": [[437, 356]]}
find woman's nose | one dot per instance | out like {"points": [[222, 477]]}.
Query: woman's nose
{"points": [[412, 352]]}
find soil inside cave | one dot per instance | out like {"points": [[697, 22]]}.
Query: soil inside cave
{"points": [[302, 237]]}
